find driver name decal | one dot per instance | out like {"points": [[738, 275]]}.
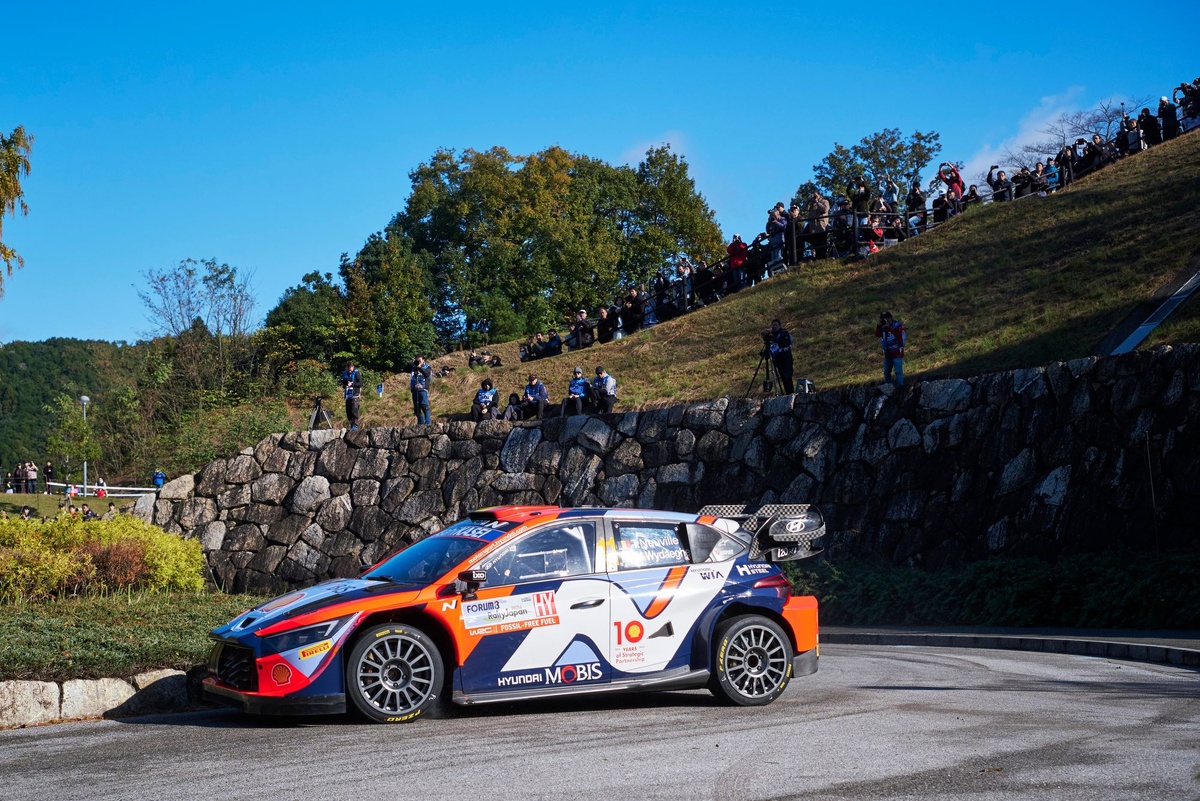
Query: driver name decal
{"points": [[512, 613]]}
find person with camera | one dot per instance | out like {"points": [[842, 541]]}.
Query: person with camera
{"points": [[485, 402], [1168, 119], [776, 228], [582, 334], [914, 206], [893, 338], [737, 262], [419, 383], [1002, 188], [779, 346], [1148, 124], [577, 393], [352, 382]]}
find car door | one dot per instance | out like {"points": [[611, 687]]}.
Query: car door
{"points": [[657, 596], [541, 619]]}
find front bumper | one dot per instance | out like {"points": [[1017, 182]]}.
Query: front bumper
{"points": [[255, 704]]}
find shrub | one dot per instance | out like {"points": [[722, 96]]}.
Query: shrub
{"points": [[43, 559]]}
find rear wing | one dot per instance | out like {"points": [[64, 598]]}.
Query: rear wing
{"points": [[779, 532]]}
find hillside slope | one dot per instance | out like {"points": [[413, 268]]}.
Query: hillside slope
{"points": [[1005, 286]]}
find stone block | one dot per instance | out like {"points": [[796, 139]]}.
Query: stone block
{"points": [[94, 698], [28, 703]]}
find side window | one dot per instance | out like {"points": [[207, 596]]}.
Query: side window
{"points": [[648, 545], [709, 545], [549, 553]]}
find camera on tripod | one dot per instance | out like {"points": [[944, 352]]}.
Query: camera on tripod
{"points": [[765, 353]]}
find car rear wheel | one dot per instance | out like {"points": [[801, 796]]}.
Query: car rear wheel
{"points": [[394, 673], [752, 663]]}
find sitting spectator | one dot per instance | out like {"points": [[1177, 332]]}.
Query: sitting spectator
{"points": [[577, 393], [1168, 119], [87, 513], [536, 397], [485, 405], [1151, 133], [513, 410], [1002, 188], [604, 391], [554, 345], [582, 334], [111, 514]]}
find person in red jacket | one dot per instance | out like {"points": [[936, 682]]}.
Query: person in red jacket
{"points": [[954, 183], [737, 261], [893, 338]]}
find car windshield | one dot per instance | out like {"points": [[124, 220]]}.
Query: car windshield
{"points": [[432, 557]]}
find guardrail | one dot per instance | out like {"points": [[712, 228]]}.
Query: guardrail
{"points": [[91, 490]]}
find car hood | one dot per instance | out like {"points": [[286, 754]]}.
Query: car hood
{"points": [[311, 599]]}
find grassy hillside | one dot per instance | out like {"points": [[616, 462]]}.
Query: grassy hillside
{"points": [[1005, 286]]}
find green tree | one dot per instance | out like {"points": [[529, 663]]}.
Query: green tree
{"points": [[14, 165], [876, 157], [70, 441], [303, 320]]}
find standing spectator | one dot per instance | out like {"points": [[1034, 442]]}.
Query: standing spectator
{"points": [[536, 397], [941, 208], [577, 390], [781, 355], [19, 478], [1051, 175], [1066, 166], [635, 312], [860, 196], [1002, 188], [893, 338], [737, 261], [954, 184], [914, 205], [157, 479], [1151, 132], [352, 382], [1022, 183], [485, 402], [818, 220], [685, 285], [776, 225], [418, 384], [1168, 119], [604, 390], [605, 327], [972, 198], [891, 193], [48, 476]]}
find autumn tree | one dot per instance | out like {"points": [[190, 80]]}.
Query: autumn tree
{"points": [[14, 165]]}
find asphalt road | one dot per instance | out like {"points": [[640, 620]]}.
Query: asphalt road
{"points": [[874, 723]]}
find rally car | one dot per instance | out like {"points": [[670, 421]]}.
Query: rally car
{"points": [[526, 602]]}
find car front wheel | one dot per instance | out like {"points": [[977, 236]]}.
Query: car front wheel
{"points": [[752, 663], [394, 673]]}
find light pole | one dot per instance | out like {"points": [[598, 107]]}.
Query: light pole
{"points": [[85, 400]]}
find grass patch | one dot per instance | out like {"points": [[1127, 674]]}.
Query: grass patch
{"points": [[1094, 591], [115, 635]]}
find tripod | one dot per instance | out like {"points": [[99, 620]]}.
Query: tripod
{"points": [[771, 383], [320, 418]]}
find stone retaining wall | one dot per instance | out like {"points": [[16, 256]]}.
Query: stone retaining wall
{"points": [[1085, 455], [29, 703]]}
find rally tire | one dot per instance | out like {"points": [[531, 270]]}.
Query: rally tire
{"points": [[752, 661], [394, 674]]}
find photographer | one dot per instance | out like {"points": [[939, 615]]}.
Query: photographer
{"points": [[893, 338], [737, 262], [778, 344], [1002, 188], [582, 335], [914, 205], [352, 382]]}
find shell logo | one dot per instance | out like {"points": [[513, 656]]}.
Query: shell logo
{"points": [[634, 631]]}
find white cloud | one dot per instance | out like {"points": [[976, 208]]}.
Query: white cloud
{"points": [[1029, 130]]}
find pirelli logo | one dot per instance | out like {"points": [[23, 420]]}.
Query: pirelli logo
{"points": [[314, 650]]}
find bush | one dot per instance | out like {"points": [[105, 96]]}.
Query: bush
{"points": [[44, 559]]}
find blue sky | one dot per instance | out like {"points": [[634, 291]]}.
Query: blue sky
{"points": [[275, 137]]}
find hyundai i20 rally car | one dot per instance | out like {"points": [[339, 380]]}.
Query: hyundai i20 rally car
{"points": [[529, 602]]}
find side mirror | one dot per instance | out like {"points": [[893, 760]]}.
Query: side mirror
{"points": [[474, 579]]}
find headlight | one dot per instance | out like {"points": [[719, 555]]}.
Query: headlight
{"points": [[305, 635]]}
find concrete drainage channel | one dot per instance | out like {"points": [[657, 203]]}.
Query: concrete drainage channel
{"points": [[31, 703]]}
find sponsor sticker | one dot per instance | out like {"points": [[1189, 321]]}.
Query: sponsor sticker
{"points": [[754, 569], [512, 613], [314, 650], [559, 674]]}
